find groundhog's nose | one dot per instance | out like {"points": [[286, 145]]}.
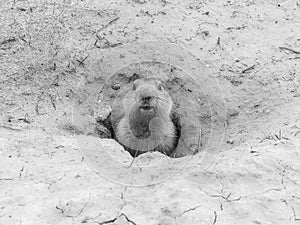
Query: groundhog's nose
{"points": [[146, 99], [146, 95]]}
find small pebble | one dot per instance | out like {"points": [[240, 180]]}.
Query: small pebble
{"points": [[116, 86]]}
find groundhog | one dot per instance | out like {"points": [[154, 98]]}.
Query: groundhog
{"points": [[148, 119]]}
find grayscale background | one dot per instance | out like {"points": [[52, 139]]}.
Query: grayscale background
{"points": [[241, 60]]}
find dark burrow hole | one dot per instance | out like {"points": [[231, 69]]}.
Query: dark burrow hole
{"points": [[109, 132]]}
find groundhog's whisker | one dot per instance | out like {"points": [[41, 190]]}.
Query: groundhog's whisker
{"points": [[164, 99]]}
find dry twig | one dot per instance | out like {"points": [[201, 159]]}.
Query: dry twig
{"points": [[290, 50]]}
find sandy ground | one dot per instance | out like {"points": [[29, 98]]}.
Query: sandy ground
{"points": [[253, 50]]}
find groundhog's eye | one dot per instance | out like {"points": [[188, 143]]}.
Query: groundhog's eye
{"points": [[160, 87], [133, 87]]}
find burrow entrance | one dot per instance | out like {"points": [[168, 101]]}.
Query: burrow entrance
{"points": [[192, 114]]}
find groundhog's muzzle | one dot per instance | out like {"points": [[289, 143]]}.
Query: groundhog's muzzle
{"points": [[147, 99]]}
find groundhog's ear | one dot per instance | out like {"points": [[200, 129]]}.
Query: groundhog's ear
{"points": [[160, 87], [134, 77]]}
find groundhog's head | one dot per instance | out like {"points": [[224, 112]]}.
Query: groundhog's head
{"points": [[148, 98], [146, 122]]}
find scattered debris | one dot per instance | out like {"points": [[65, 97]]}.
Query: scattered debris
{"points": [[59, 146], [52, 101], [290, 50], [11, 128], [21, 172], [219, 41], [108, 24], [81, 61], [231, 142], [215, 218], [72, 129], [60, 209], [103, 43], [84, 206], [7, 41], [56, 80], [248, 69], [71, 208], [296, 133], [6, 179], [25, 118], [277, 138], [236, 28], [236, 82], [140, 1]]}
